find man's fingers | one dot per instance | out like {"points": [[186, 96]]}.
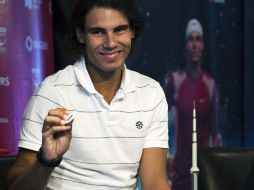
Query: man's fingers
{"points": [[59, 112], [54, 120], [54, 129], [51, 121], [55, 117]]}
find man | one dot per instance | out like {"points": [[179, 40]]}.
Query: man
{"points": [[119, 128], [182, 88]]}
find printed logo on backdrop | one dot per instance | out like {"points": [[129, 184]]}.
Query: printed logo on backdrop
{"points": [[5, 81], [3, 1], [36, 76], [3, 39], [33, 4], [35, 44]]}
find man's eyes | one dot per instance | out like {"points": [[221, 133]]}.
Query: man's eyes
{"points": [[198, 38], [101, 32], [121, 29], [97, 32]]}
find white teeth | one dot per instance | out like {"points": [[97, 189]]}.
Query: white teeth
{"points": [[109, 54]]}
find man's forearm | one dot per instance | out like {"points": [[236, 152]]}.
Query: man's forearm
{"points": [[27, 173], [34, 177]]}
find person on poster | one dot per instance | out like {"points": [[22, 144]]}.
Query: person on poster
{"points": [[182, 88], [96, 124]]}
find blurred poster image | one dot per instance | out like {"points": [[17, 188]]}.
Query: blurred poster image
{"points": [[184, 88], [202, 63]]}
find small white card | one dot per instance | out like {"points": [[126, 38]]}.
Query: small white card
{"points": [[70, 118]]}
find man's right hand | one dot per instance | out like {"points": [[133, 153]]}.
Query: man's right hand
{"points": [[56, 136]]}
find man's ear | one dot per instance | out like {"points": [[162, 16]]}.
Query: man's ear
{"points": [[80, 36]]}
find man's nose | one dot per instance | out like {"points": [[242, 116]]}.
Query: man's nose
{"points": [[110, 40], [194, 44]]}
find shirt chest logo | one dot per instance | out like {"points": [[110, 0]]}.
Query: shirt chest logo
{"points": [[139, 125]]}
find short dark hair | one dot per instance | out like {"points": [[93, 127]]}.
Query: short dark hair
{"points": [[81, 9]]}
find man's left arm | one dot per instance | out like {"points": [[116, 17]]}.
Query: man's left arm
{"points": [[152, 169], [153, 163]]}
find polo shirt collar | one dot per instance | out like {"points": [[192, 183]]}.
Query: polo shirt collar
{"points": [[128, 82], [83, 78]]}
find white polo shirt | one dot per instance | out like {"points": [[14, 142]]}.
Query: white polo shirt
{"points": [[108, 140]]}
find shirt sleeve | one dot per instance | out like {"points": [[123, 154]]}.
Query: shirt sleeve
{"points": [[42, 100]]}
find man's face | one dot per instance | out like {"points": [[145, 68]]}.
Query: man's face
{"points": [[194, 46], [107, 38]]}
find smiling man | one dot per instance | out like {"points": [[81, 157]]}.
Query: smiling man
{"points": [[182, 88], [96, 124]]}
